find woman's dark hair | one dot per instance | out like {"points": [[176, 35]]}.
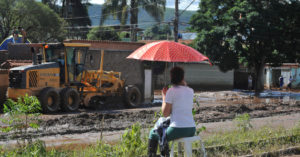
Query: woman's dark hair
{"points": [[177, 75]]}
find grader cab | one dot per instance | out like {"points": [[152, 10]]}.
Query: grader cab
{"points": [[59, 79]]}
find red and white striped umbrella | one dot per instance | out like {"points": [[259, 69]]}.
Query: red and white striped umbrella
{"points": [[168, 51]]}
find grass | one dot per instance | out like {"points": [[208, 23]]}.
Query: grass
{"points": [[254, 142], [234, 143]]}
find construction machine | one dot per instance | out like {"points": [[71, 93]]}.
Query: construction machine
{"points": [[60, 80]]}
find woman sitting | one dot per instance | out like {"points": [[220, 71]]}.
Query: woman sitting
{"points": [[178, 104]]}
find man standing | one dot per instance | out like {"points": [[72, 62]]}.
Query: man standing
{"points": [[289, 86], [249, 82], [281, 82], [14, 38]]}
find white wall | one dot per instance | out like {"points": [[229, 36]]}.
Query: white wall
{"points": [[148, 85], [203, 76]]}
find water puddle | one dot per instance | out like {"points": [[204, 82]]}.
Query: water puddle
{"points": [[242, 96], [272, 96]]}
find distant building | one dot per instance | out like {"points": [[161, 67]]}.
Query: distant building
{"points": [[272, 74], [189, 36]]}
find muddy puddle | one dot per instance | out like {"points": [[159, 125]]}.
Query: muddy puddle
{"points": [[214, 107]]}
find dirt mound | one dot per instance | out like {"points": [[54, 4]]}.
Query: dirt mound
{"points": [[242, 109]]}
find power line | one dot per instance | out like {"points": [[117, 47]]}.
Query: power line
{"points": [[140, 24], [99, 16], [166, 22], [79, 27], [186, 7], [172, 18]]}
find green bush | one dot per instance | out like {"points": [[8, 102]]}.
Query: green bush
{"points": [[21, 115], [243, 122], [132, 143], [103, 33]]}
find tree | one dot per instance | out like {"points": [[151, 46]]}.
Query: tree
{"points": [[53, 5], [249, 32], [40, 22], [103, 33], [8, 19], [119, 9], [158, 32], [76, 14]]}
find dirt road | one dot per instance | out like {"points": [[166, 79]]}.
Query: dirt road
{"points": [[215, 107]]}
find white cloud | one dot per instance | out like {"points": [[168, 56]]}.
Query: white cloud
{"points": [[170, 4], [97, 1]]}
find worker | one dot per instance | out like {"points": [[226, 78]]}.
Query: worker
{"points": [[281, 81], [18, 36]]}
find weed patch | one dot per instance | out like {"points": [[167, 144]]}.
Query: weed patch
{"points": [[19, 116], [242, 142]]}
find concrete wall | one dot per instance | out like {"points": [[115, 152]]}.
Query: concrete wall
{"points": [[296, 76], [200, 77], [3, 86], [132, 70], [272, 80]]}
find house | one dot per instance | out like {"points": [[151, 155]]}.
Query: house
{"points": [[287, 70]]}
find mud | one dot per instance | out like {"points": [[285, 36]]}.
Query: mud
{"points": [[214, 107]]}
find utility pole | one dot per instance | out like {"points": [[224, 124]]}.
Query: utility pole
{"points": [[176, 22], [133, 19]]}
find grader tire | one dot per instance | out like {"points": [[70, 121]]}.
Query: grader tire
{"points": [[69, 100], [132, 97], [49, 99]]}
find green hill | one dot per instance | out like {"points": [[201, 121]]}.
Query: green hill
{"points": [[145, 20]]}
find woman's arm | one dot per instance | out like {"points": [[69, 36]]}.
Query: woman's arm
{"points": [[166, 107]]}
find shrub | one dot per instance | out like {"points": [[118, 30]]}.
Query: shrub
{"points": [[21, 115], [243, 122], [132, 143]]}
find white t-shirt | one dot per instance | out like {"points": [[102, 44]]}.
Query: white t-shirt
{"points": [[181, 98]]}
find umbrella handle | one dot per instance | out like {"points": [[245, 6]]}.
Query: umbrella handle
{"points": [[165, 80], [209, 62]]}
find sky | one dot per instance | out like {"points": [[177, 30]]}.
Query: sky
{"points": [[170, 4]]}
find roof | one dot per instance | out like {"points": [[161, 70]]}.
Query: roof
{"points": [[14, 63], [284, 65], [109, 45], [76, 45], [180, 41]]}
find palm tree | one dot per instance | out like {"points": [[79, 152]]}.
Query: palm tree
{"points": [[71, 10], [119, 9]]}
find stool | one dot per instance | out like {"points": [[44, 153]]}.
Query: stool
{"points": [[188, 145]]}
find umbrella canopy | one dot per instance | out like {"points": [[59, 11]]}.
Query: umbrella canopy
{"points": [[168, 51]]}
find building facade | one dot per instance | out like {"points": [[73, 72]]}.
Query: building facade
{"points": [[286, 70]]}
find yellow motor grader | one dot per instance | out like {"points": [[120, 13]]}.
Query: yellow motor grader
{"points": [[59, 79]]}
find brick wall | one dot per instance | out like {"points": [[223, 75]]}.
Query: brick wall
{"points": [[115, 60], [3, 86]]}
